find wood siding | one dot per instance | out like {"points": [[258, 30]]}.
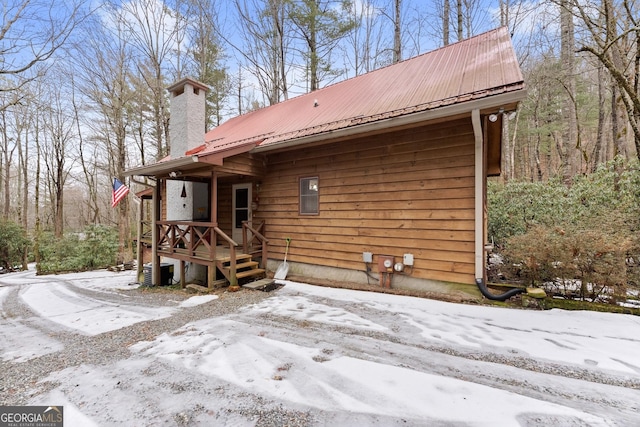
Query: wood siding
{"points": [[410, 191], [224, 206], [225, 201], [244, 164]]}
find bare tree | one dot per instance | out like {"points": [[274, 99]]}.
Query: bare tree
{"points": [[395, 16], [368, 41], [614, 39], [397, 32], [24, 121], [206, 56], [265, 45], [459, 19], [462, 18], [30, 34], [9, 141], [58, 135], [599, 154], [446, 13], [568, 140], [153, 32], [103, 77]]}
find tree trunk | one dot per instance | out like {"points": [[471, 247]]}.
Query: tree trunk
{"points": [[460, 16], [278, 17], [507, 155], [567, 60], [6, 168], [313, 56], [618, 130], [446, 12], [36, 193], [599, 153], [58, 210], [504, 13], [397, 39], [24, 162], [513, 138]]}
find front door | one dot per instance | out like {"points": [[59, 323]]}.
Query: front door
{"points": [[241, 206]]}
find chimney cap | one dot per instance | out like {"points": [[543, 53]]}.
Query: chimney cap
{"points": [[181, 83]]}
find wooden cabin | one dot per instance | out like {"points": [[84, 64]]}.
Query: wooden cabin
{"points": [[378, 179]]}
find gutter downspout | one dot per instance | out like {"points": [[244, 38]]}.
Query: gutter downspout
{"points": [[479, 214]]}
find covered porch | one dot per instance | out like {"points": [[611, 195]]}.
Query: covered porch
{"points": [[219, 234]]}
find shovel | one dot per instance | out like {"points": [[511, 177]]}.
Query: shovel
{"points": [[283, 269]]}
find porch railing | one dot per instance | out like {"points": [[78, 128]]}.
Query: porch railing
{"points": [[196, 241], [255, 242], [147, 227], [192, 239], [233, 280]]}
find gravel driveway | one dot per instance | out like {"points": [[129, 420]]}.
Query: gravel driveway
{"points": [[132, 376]]}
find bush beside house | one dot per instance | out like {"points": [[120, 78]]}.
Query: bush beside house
{"points": [[13, 243], [577, 241]]}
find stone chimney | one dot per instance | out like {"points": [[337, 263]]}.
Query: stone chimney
{"points": [[187, 121]]}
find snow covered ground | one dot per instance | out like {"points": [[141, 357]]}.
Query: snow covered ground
{"points": [[308, 355]]}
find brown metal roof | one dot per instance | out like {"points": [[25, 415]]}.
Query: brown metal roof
{"points": [[473, 69]]}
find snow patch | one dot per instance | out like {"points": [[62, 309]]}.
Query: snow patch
{"points": [[197, 300]]}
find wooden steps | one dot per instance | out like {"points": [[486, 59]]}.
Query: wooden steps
{"points": [[246, 268], [249, 273]]}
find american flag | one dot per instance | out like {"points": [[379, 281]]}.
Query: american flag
{"points": [[119, 191]]}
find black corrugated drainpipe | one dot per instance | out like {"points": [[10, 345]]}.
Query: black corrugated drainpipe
{"points": [[499, 297]]}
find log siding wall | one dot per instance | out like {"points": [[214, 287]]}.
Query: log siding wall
{"points": [[410, 191]]}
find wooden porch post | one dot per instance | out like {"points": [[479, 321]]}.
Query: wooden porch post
{"points": [[139, 267], [211, 268], [214, 197], [155, 259], [183, 283]]}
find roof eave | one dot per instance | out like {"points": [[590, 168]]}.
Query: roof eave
{"points": [[494, 101], [162, 168]]}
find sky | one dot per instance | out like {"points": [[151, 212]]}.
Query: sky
{"points": [[421, 33], [349, 357]]}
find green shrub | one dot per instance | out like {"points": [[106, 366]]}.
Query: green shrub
{"points": [[583, 240], [96, 247], [99, 248], [13, 243], [516, 207], [611, 196]]}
